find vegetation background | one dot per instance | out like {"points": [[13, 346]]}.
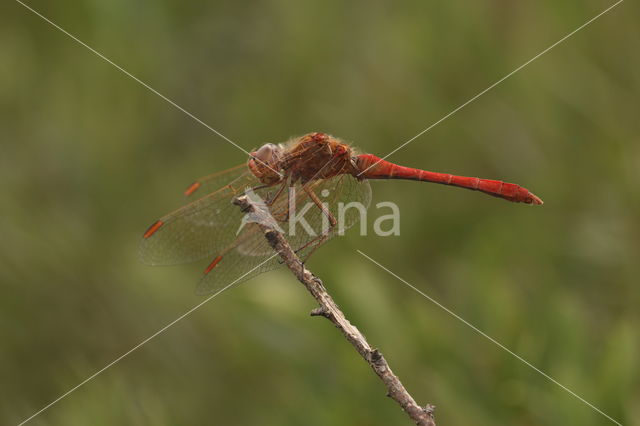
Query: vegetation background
{"points": [[89, 158]]}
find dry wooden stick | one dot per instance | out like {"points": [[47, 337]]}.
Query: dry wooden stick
{"points": [[260, 215]]}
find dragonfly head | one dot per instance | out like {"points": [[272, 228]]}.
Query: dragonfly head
{"points": [[264, 163]]}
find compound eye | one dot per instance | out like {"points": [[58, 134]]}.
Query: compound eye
{"points": [[266, 152]]}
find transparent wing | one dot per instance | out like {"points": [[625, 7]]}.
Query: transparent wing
{"points": [[248, 256], [198, 229], [305, 226], [308, 226], [215, 181], [213, 227]]}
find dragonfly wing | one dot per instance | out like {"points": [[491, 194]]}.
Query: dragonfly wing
{"points": [[250, 254], [304, 224], [213, 182], [198, 229], [346, 198]]}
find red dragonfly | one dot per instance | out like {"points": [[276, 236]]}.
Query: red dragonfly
{"points": [[317, 169]]}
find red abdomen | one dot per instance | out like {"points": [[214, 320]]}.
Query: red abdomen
{"points": [[372, 167]]}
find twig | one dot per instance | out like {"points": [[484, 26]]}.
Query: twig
{"points": [[260, 215]]}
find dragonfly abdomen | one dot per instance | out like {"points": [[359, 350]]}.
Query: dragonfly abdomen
{"points": [[372, 167]]}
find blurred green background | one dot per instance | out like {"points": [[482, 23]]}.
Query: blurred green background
{"points": [[89, 158]]}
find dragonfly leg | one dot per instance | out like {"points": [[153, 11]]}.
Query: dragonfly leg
{"points": [[269, 202], [316, 200], [255, 188], [316, 242], [284, 217], [320, 239]]}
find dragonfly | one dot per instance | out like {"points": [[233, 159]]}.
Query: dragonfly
{"points": [[312, 177]]}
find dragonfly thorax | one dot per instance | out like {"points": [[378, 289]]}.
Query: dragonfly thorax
{"points": [[317, 156]]}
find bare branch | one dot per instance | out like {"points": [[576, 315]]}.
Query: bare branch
{"points": [[260, 215]]}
